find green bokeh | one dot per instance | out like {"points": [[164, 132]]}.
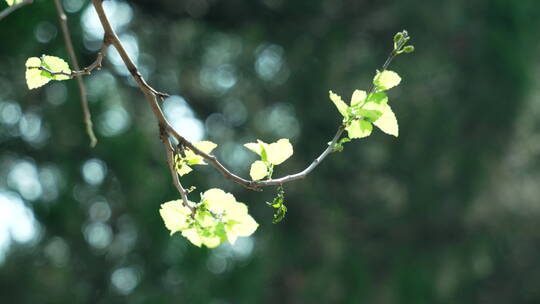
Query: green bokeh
{"points": [[446, 213]]}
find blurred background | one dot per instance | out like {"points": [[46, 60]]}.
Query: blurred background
{"points": [[446, 213]]}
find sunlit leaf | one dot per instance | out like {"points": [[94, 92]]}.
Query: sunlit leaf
{"points": [[279, 151], [11, 2], [193, 236], [182, 164], [340, 104], [217, 200], [212, 241], [34, 79], [244, 226], [358, 97], [255, 147], [175, 215], [388, 122], [57, 65], [258, 170], [183, 169], [259, 147], [370, 115], [359, 128], [205, 146], [386, 80], [275, 153]]}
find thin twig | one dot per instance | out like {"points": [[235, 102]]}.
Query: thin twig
{"points": [[152, 96], [170, 161], [86, 71], [13, 8], [62, 19], [311, 167], [389, 59]]}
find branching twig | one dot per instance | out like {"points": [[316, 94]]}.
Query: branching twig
{"points": [[62, 18], [152, 96], [311, 167], [170, 161], [13, 8], [86, 71]]}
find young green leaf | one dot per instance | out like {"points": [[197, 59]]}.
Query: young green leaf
{"points": [[386, 80], [338, 147], [37, 77], [388, 122], [11, 2], [340, 104], [274, 153], [175, 215], [370, 115], [278, 203], [56, 65], [234, 215], [182, 163], [193, 236], [218, 217], [279, 151], [218, 201], [259, 147], [34, 78], [358, 97], [374, 106], [258, 170], [359, 128]]}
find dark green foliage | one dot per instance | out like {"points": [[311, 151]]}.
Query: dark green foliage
{"points": [[279, 204]]}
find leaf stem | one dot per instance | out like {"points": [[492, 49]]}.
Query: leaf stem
{"points": [[62, 19]]}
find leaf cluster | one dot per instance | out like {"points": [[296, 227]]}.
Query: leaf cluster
{"points": [[279, 204], [218, 217]]}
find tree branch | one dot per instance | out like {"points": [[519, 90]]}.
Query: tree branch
{"points": [[170, 161], [62, 19], [311, 167], [13, 8], [152, 96], [86, 71]]}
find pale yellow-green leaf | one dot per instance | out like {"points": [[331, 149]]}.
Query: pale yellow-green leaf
{"points": [[211, 241], [374, 106], [255, 147], [244, 226], [279, 151], [359, 128], [56, 64], [259, 147], [206, 219], [11, 2], [193, 236], [358, 97], [386, 80], [340, 104], [218, 217], [388, 122], [205, 146], [184, 169], [217, 200], [175, 215], [193, 159], [34, 79], [231, 237], [258, 170], [236, 211]]}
